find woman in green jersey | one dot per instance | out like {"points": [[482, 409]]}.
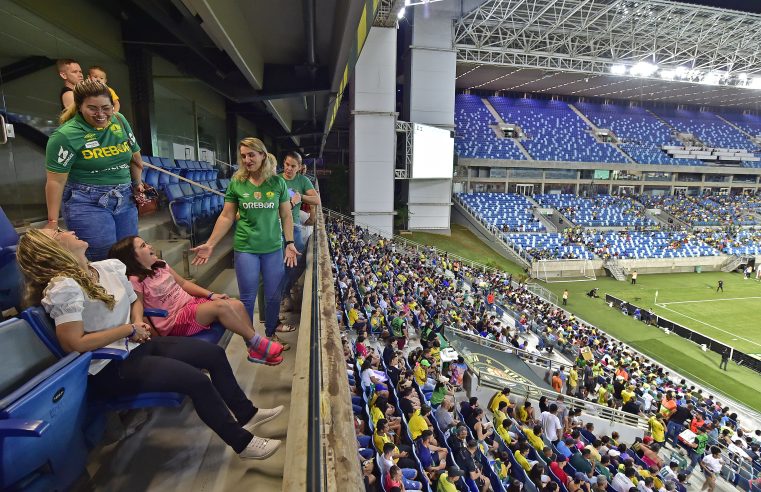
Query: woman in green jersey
{"points": [[93, 163], [262, 200]]}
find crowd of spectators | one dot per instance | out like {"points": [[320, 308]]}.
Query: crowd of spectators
{"points": [[413, 389]]}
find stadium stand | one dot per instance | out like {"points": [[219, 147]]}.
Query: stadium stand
{"points": [[554, 132], [641, 244], [707, 128], [549, 246], [617, 377], [641, 135], [474, 137], [506, 211], [598, 211]]}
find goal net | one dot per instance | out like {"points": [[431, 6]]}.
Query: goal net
{"points": [[578, 270]]}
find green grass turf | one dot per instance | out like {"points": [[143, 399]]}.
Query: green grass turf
{"points": [[677, 353], [730, 317]]}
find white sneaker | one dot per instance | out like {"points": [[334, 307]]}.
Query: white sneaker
{"points": [[259, 449], [263, 415]]}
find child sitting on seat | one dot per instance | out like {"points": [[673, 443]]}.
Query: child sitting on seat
{"points": [[191, 308]]}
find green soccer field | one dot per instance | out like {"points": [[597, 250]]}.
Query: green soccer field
{"points": [[691, 300]]}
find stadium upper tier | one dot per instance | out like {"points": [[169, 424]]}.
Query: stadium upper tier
{"points": [[640, 133], [707, 128], [599, 211], [508, 212], [646, 244], [474, 137], [553, 131]]}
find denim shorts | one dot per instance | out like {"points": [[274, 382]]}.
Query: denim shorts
{"points": [[99, 214]]}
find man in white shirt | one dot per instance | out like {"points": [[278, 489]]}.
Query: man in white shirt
{"points": [[622, 482], [551, 426], [711, 467]]}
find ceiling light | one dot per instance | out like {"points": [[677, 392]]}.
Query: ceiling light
{"points": [[400, 14], [681, 72], [644, 69], [668, 74], [618, 69], [755, 83], [742, 77]]}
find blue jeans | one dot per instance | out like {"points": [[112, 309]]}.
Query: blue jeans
{"points": [[407, 479], [100, 215], [293, 273], [248, 266], [673, 429]]}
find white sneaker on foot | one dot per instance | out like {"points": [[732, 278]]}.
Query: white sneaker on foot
{"points": [[259, 449], [263, 415]]}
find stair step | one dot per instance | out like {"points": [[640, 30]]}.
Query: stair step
{"points": [[156, 226]]}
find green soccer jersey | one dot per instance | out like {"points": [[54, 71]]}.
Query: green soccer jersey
{"points": [[258, 231], [92, 156], [299, 184]]}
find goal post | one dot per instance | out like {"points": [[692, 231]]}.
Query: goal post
{"points": [[571, 270]]}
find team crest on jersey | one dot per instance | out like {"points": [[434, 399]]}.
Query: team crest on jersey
{"points": [[117, 130], [270, 194], [90, 136], [258, 195]]}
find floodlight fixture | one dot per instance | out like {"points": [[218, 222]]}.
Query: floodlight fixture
{"points": [[668, 74], [755, 83], [618, 69], [681, 72], [644, 69], [400, 14]]}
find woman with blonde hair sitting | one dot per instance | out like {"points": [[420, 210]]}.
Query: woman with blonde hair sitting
{"points": [[94, 306]]}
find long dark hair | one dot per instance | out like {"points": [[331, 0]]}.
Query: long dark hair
{"points": [[124, 251]]}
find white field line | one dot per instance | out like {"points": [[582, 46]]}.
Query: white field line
{"points": [[709, 300], [708, 324]]}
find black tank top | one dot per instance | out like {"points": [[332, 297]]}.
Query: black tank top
{"points": [[64, 90]]}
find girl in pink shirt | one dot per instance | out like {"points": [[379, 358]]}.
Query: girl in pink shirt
{"points": [[191, 308]]}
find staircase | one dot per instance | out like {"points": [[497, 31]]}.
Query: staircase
{"points": [[750, 137], [615, 269], [548, 224], [594, 130], [732, 263], [498, 118]]}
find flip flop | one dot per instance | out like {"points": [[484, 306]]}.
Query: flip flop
{"points": [[288, 328]]}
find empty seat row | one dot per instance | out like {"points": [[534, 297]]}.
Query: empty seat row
{"points": [[193, 170]]}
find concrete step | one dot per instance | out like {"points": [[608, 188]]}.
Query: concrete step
{"points": [[156, 226], [221, 260]]}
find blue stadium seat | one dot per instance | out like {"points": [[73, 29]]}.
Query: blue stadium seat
{"points": [[180, 208], [42, 412], [10, 276], [212, 335], [45, 329]]}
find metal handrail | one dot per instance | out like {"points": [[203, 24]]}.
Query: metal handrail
{"points": [[532, 391]]}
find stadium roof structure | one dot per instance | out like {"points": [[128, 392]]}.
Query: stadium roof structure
{"points": [[654, 50]]}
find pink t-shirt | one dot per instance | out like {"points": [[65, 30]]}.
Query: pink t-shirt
{"points": [[162, 292]]}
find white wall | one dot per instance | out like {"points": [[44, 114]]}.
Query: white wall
{"points": [[373, 145]]}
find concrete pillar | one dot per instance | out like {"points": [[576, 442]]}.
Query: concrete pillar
{"points": [[373, 137], [429, 99]]}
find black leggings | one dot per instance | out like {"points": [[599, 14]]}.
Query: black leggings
{"points": [[407, 462], [173, 364]]}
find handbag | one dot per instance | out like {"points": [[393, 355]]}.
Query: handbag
{"points": [[147, 201]]}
